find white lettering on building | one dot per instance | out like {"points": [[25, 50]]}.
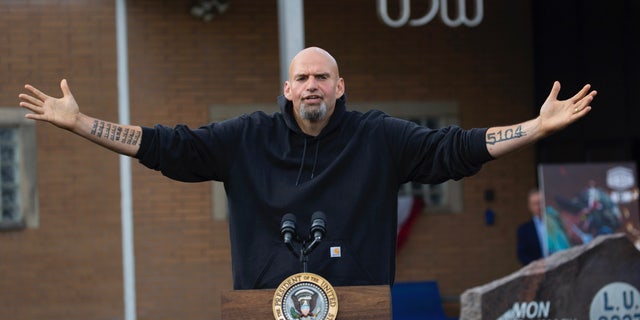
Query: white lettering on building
{"points": [[442, 5]]}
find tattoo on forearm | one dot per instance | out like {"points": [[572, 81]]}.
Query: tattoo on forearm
{"points": [[107, 130], [114, 132], [501, 136], [124, 135], [94, 128], [118, 133], [133, 137], [100, 128]]}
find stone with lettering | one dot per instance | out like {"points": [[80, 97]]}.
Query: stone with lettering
{"points": [[597, 281]]}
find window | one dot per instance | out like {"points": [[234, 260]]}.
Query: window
{"points": [[439, 198], [9, 177], [443, 197], [18, 201]]}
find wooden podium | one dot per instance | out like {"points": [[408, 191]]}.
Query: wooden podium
{"points": [[355, 302]]}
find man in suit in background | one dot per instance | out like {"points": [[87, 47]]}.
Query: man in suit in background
{"points": [[531, 233]]}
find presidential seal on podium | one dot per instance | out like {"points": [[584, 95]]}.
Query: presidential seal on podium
{"points": [[305, 296]]}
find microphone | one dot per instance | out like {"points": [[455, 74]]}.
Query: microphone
{"points": [[288, 228], [317, 231], [318, 225]]}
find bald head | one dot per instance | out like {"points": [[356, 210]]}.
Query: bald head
{"points": [[314, 56]]}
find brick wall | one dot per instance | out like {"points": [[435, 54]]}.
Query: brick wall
{"points": [[71, 266]]}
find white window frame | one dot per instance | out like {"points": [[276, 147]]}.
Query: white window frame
{"points": [[13, 117], [445, 113]]}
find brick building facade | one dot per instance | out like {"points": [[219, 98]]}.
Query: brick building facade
{"points": [[70, 265]]}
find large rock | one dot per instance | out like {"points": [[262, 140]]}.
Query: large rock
{"points": [[598, 281]]}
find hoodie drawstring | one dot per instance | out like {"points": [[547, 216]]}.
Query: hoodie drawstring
{"points": [[315, 160], [304, 155]]}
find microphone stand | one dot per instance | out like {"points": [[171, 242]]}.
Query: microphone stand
{"points": [[307, 247], [304, 259], [305, 250]]}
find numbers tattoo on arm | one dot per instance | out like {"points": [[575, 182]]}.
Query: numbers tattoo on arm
{"points": [[114, 132], [508, 134]]}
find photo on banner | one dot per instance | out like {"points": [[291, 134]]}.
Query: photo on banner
{"points": [[584, 200]]}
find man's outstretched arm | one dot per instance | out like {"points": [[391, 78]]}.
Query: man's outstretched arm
{"points": [[554, 116], [65, 113]]}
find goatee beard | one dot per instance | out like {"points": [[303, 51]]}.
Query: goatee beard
{"points": [[313, 114]]}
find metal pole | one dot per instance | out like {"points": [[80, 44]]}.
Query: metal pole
{"points": [[128, 261], [291, 32]]}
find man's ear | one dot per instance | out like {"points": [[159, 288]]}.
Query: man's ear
{"points": [[340, 88], [287, 90]]}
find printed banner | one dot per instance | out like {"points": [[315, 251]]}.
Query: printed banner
{"points": [[583, 201]]}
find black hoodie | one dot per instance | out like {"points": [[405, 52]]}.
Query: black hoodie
{"points": [[351, 171]]}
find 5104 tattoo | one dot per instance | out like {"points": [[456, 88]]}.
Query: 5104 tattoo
{"points": [[509, 134]]}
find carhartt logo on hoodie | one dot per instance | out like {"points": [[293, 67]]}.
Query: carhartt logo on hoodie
{"points": [[336, 252]]}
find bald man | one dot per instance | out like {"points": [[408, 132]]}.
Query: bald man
{"points": [[313, 155]]}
